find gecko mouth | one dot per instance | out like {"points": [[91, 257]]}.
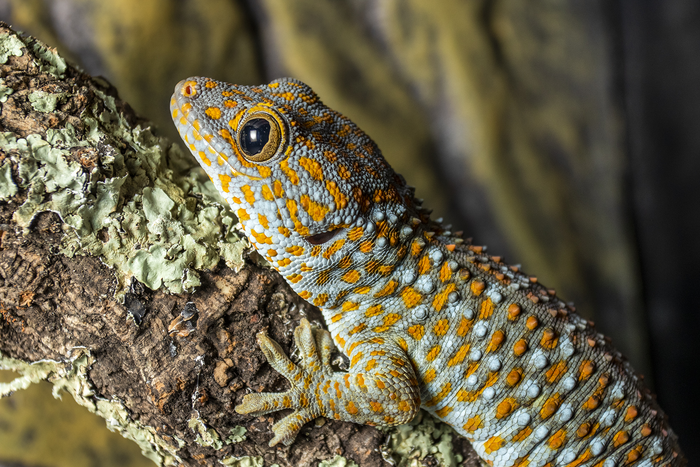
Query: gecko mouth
{"points": [[323, 237]]}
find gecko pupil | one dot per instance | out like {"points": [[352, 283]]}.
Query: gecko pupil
{"points": [[254, 136]]}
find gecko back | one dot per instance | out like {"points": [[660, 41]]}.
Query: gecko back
{"points": [[426, 319]]}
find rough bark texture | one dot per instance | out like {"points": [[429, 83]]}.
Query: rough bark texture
{"points": [[175, 364]]}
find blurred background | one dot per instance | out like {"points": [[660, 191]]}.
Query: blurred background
{"points": [[563, 134]]}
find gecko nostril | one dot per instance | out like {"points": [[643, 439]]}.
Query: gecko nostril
{"points": [[323, 237]]}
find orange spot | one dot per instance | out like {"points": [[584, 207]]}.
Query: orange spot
{"points": [[522, 434], [486, 309], [583, 430], [444, 392], [586, 369], [416, 331], [248, 194], [445, 272], [472, 424], [213, 113], [374, 310], [555, 372], [505, 408], [496, 340], [423, 265], [459, 356], [440, 329], [433, 353], [389, 320], [514, 377], [477, 287], [350, 407], [550, 406], [316, 210], [494, 444], [620, 438], [592, 403], [289, 172], [242, 215], [549, 339], [442, 413], [464, 326], [557, 440], [631, 413], [411, 298], [312, 167], [429, 376], [441, 298], [351, 276], [520, 347], [335, 246], [267, 193], [513, 311], [531, 323], [376, 406]]}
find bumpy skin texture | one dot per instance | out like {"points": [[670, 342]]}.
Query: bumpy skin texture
{"points": [[425, 318]]}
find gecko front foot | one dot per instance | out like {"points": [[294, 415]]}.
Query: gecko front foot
{"points": [[306, 378]]}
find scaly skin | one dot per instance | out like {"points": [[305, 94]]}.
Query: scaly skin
{"points": [[425, 318]]}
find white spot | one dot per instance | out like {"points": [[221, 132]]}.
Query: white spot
{"points": [[475, 355], [472, 381], [569, 383], [489, 393], [540, 361], [469, 313], [378, 216], [495, 364], [608, 418], [453, 265], [496, 297], [610, 462], [381, 242], [452, 297], [524, 419], [565, 414], [541, 432], [533, 391], [569, 456], [420, 313], [597, 447], [406, 231], [480, 329]]}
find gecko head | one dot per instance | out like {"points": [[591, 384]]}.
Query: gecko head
{"points": [[308, 186]]}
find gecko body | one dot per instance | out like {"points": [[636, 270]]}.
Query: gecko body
{"points": [[425, 318]]}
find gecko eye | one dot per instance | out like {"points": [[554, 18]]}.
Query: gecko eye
{"points": [[259, 137], [323, 237]]}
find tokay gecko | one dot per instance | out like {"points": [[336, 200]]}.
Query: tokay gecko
{"points": [[426, 318]]}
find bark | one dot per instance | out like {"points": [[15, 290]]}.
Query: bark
{"points": [[123, 282]]}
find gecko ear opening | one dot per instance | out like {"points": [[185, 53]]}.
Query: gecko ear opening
{"points": [[323, 237]]}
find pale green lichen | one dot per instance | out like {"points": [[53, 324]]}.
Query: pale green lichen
{"points": [[146, 210], [46, 102], [7, 187], [256, 461], [10, 45], [337, 461], [4, 91], [423, 436], [206, 436], [70, 376], [237, 435], [127, 197]]}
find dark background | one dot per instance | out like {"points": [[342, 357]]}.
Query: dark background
{"points": [[565, 135]]}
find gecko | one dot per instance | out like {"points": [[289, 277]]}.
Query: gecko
{"points": [[426, 318]]}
